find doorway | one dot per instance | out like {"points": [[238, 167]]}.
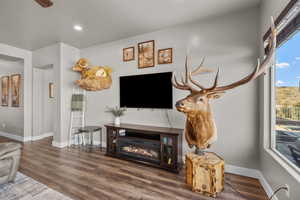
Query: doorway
{"points": [[12, 97], [44, 101]]}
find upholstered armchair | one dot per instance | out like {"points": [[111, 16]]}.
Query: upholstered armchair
{"points": [[9, 161]]}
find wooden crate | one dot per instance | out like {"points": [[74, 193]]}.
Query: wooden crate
{"points": [[205, 174]]}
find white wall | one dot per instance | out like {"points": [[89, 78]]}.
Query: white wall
{"points": [[229, 42], [49, 103], [275, 173], [50, 56], [62, 57], [26, 56], [69, 56], [12, 118]]}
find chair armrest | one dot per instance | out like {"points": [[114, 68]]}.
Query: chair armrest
{"points": [[7, 148], [10, 154]]}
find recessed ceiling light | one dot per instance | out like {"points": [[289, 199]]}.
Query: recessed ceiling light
{"points": [[77, 27]]}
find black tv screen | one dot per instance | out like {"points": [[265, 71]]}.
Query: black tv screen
{"points": [[147, 91]]}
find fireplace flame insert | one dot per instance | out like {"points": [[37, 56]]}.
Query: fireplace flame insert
{"points": [[139, 148]]}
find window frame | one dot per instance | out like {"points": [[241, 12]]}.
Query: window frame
{"points": [[272, 136], [287, 24]]}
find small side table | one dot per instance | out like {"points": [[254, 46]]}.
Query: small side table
{"points": [[205, 173], [91, 130]]}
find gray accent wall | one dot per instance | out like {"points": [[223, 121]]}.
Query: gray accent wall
{"points": [[228, 42]]}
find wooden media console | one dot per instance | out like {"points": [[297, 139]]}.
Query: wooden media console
{"points": [[155, 146]]}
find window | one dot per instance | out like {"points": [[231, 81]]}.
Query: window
{"points": [[286, 138]]}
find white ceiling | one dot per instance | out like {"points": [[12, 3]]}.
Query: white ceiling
{"points": [[8, 63], [26, 25]]}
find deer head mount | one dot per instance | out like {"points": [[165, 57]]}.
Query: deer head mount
{"points": [[200, 130]]}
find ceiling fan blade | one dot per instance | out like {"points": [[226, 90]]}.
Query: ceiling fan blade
{"points": [[45, 3]]}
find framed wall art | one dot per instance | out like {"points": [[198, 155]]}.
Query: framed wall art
{"points": [[128, 54], [15, 88], [4, 90], [146, 57], [165, 56], [51, 90]]}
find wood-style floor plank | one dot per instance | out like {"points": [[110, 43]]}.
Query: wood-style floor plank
{"points": [[92, 176]]}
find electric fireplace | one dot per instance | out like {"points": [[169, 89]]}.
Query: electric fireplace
{"points": [[139, 148], [155, 146]]}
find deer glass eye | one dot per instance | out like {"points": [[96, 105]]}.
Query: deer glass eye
{"points": [[201, 99]]}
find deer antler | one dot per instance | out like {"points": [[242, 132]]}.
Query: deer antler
{"points": [[260, 69], [201, 69], [185, 85]]}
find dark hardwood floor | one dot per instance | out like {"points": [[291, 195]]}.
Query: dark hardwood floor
{"points": [[93, 176]]}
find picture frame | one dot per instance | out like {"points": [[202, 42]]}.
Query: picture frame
{"points": [[146, 55], [4, 90], [128, 54], [51, 90], [15, 89], [165, 56]]}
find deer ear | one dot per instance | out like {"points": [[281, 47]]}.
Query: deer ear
{"points": [[215, 95]]}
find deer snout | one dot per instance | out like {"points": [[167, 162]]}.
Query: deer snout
{"points": [[179, 104]]}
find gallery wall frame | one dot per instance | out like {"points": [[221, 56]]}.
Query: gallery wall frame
{"points": [[128, 54], [146, 54], [5, 86], [51, 90], [165, 56], [15, 89]]}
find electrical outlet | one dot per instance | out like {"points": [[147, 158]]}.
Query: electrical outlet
{"points": [[287, 191]]}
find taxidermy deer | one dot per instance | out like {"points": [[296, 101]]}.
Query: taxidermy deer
{"points": [[200, 128]]}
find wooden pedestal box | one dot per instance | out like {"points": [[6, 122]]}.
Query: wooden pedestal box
{"points": [[205, 174]]}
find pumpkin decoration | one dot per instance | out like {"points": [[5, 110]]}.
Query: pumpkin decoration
{"points": [[93, 78]]}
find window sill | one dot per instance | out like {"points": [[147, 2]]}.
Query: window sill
{"points": [[284, 163]]}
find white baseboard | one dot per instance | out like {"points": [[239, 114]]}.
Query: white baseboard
{"points": [[12, 136], [39, 137], [253, 173], [59, 144], [268, 189], [25, 139]]}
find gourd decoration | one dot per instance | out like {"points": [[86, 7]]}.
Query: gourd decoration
{"points": [[93, 78]]}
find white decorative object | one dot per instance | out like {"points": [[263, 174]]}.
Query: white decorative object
{"points": [[117, 113], [117, 120]]}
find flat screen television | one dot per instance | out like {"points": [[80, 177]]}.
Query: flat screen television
{"points": [[147, 91]]}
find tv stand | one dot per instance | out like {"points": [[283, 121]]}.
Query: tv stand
{"points": [[154, 146]]}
